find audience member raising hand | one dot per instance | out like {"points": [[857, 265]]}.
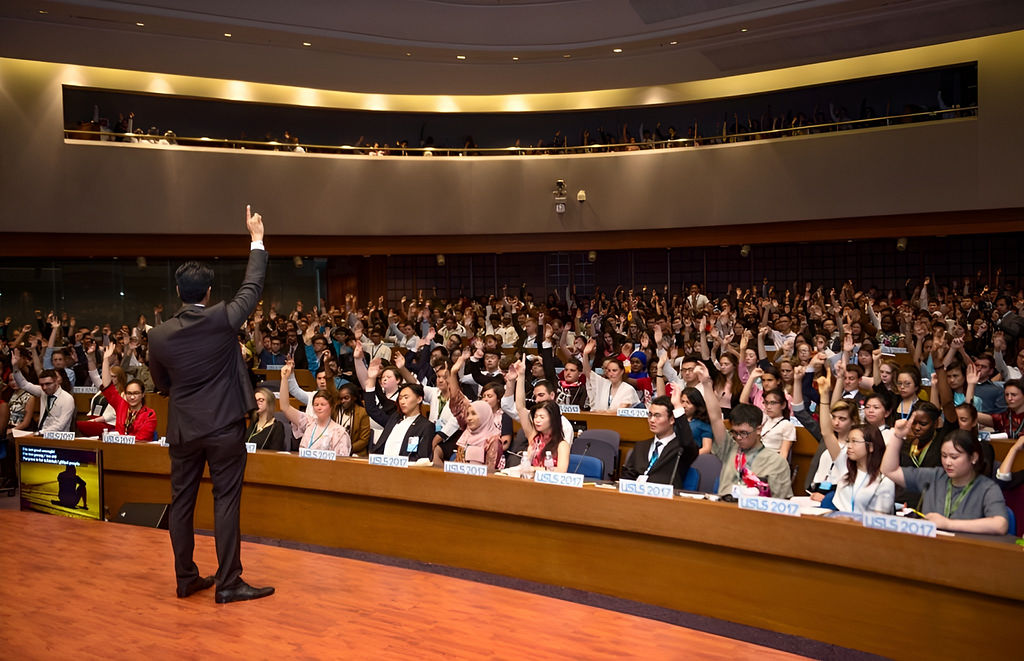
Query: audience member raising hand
{"points": [[318, 430]]}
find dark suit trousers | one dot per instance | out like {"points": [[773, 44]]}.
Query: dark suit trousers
{"points": [[224, 451]]}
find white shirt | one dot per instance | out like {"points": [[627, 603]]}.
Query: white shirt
{"points": [[860, 496], [600, 397], [62, 411], [393, 446], [776, 430], [659, 445]]}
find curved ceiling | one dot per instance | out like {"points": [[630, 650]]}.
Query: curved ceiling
{"points": [[482, 46]]}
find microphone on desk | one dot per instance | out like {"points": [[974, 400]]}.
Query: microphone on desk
{"points": [[585, 450], [675, 469]]}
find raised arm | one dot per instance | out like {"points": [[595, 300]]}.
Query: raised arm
{"points": [[244, 302], [284, 403], [825, 419], [894, 440], [748, 387], [108, 355], [524, 413]]}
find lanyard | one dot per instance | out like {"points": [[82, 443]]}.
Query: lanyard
{"points": [[129, 421], [853, 499], [959, 499], [313, 441], [918, 456], [909, 413], [1013, 433]]}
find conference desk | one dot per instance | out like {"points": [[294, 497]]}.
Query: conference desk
{"points": [[893, 594]]}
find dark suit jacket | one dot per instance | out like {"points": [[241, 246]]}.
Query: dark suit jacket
{"points": [[421, 429], [194, 357], [661, 472]]}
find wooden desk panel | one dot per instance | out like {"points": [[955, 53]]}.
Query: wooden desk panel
{"points": [[748, 567]]}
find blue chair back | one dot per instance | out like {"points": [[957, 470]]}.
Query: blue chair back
{"points": [[692, 480], [587, 465], [710, 468], [1012, 530]]}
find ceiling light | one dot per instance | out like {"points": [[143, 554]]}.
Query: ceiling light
{"points": [[460, 57], [43, 12], [140, 24], [306, 43], [617, 50], [408, 54], [515, 58], [227, 34], [567, 56], [672, 43], [743, 30]]}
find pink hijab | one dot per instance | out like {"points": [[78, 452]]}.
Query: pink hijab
{"points": [[484, 432]]}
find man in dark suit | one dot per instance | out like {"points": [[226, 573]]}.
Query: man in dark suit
{"points": [[406, 432], [668, 455], [196, 359]]}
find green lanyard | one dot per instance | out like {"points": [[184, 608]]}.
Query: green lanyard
{"points": [[959, 499]]}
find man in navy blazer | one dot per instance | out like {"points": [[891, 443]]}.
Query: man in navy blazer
{"points": [[195, 358], [406, 432]]}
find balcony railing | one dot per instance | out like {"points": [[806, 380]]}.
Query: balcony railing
{"points": [[92, 133]]}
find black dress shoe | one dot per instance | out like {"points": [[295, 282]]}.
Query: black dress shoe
{"points": [[242, 592], [197, 585]]}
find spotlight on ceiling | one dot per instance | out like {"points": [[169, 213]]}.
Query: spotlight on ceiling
{"points": [[901, 244], [297, 261], [592, 256], [745, 250], [440, 260], [141, 263]]}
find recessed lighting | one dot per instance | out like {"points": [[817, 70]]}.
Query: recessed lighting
{"points": [[43, 12], [306, 43], [567, 56], [672, 43], [743, 30], [141, 24], [460, 57], [617, 50], [408, 54], [515, 58], [227, 34]]}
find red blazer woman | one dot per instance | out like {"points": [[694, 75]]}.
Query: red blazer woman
{"points": [[141, 424]]}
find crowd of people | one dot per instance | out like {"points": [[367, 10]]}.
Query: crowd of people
{"points": [[727, 128], [903, 390]]}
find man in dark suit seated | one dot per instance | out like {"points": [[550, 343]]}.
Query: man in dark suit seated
{"points": [[406, 432], [666, 457], [194, 357]]}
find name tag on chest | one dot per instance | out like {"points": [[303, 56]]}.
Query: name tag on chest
{"points": [[569, 408], [59, 435], [250, 448], [633, 413], [465, 469], [900, 524], [306, 453], [560, 479], [394, 462], [651, 489], [770, 505]]}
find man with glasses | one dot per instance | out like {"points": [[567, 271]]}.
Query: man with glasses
{"points": [[56, 405], [740, 449], [668, 455]]}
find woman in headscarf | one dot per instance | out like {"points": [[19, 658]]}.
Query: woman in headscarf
{"points": [[639, 378], [480, 440]]}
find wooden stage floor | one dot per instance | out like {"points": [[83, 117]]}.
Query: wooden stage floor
{"points": [[72, 589]]}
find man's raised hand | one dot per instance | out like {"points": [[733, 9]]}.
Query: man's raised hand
{"points": [[254, 222]]}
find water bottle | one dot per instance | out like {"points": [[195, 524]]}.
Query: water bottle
{"points": [[549, 461]]}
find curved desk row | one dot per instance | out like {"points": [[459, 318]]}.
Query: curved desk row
{"points": [[888, 593]]}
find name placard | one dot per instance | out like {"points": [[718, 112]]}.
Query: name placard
{"points": [[770, 505], [569, 408], [651, 489], [901, 524], [306, 453], [274, 367], [124, 439], [560, 479], [633, 413], [893, 350], [85, 390], [465, 469], [250, 448], [394, 462], [59, 435]]}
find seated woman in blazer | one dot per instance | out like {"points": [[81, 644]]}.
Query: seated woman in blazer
{"points": [[353, 417], [406, 432], [133, 417], [265, 430]]}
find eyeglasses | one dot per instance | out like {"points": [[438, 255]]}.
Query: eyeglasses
{"points": [[773, 402], [853, 442], [133, 392], [741, 434]]}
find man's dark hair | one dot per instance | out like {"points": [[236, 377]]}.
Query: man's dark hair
{"points": [[194, 280], [497, 386], [48, 374], [575, 362], [663, 400], [417, 389], [746, 414], [544, 383]]}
